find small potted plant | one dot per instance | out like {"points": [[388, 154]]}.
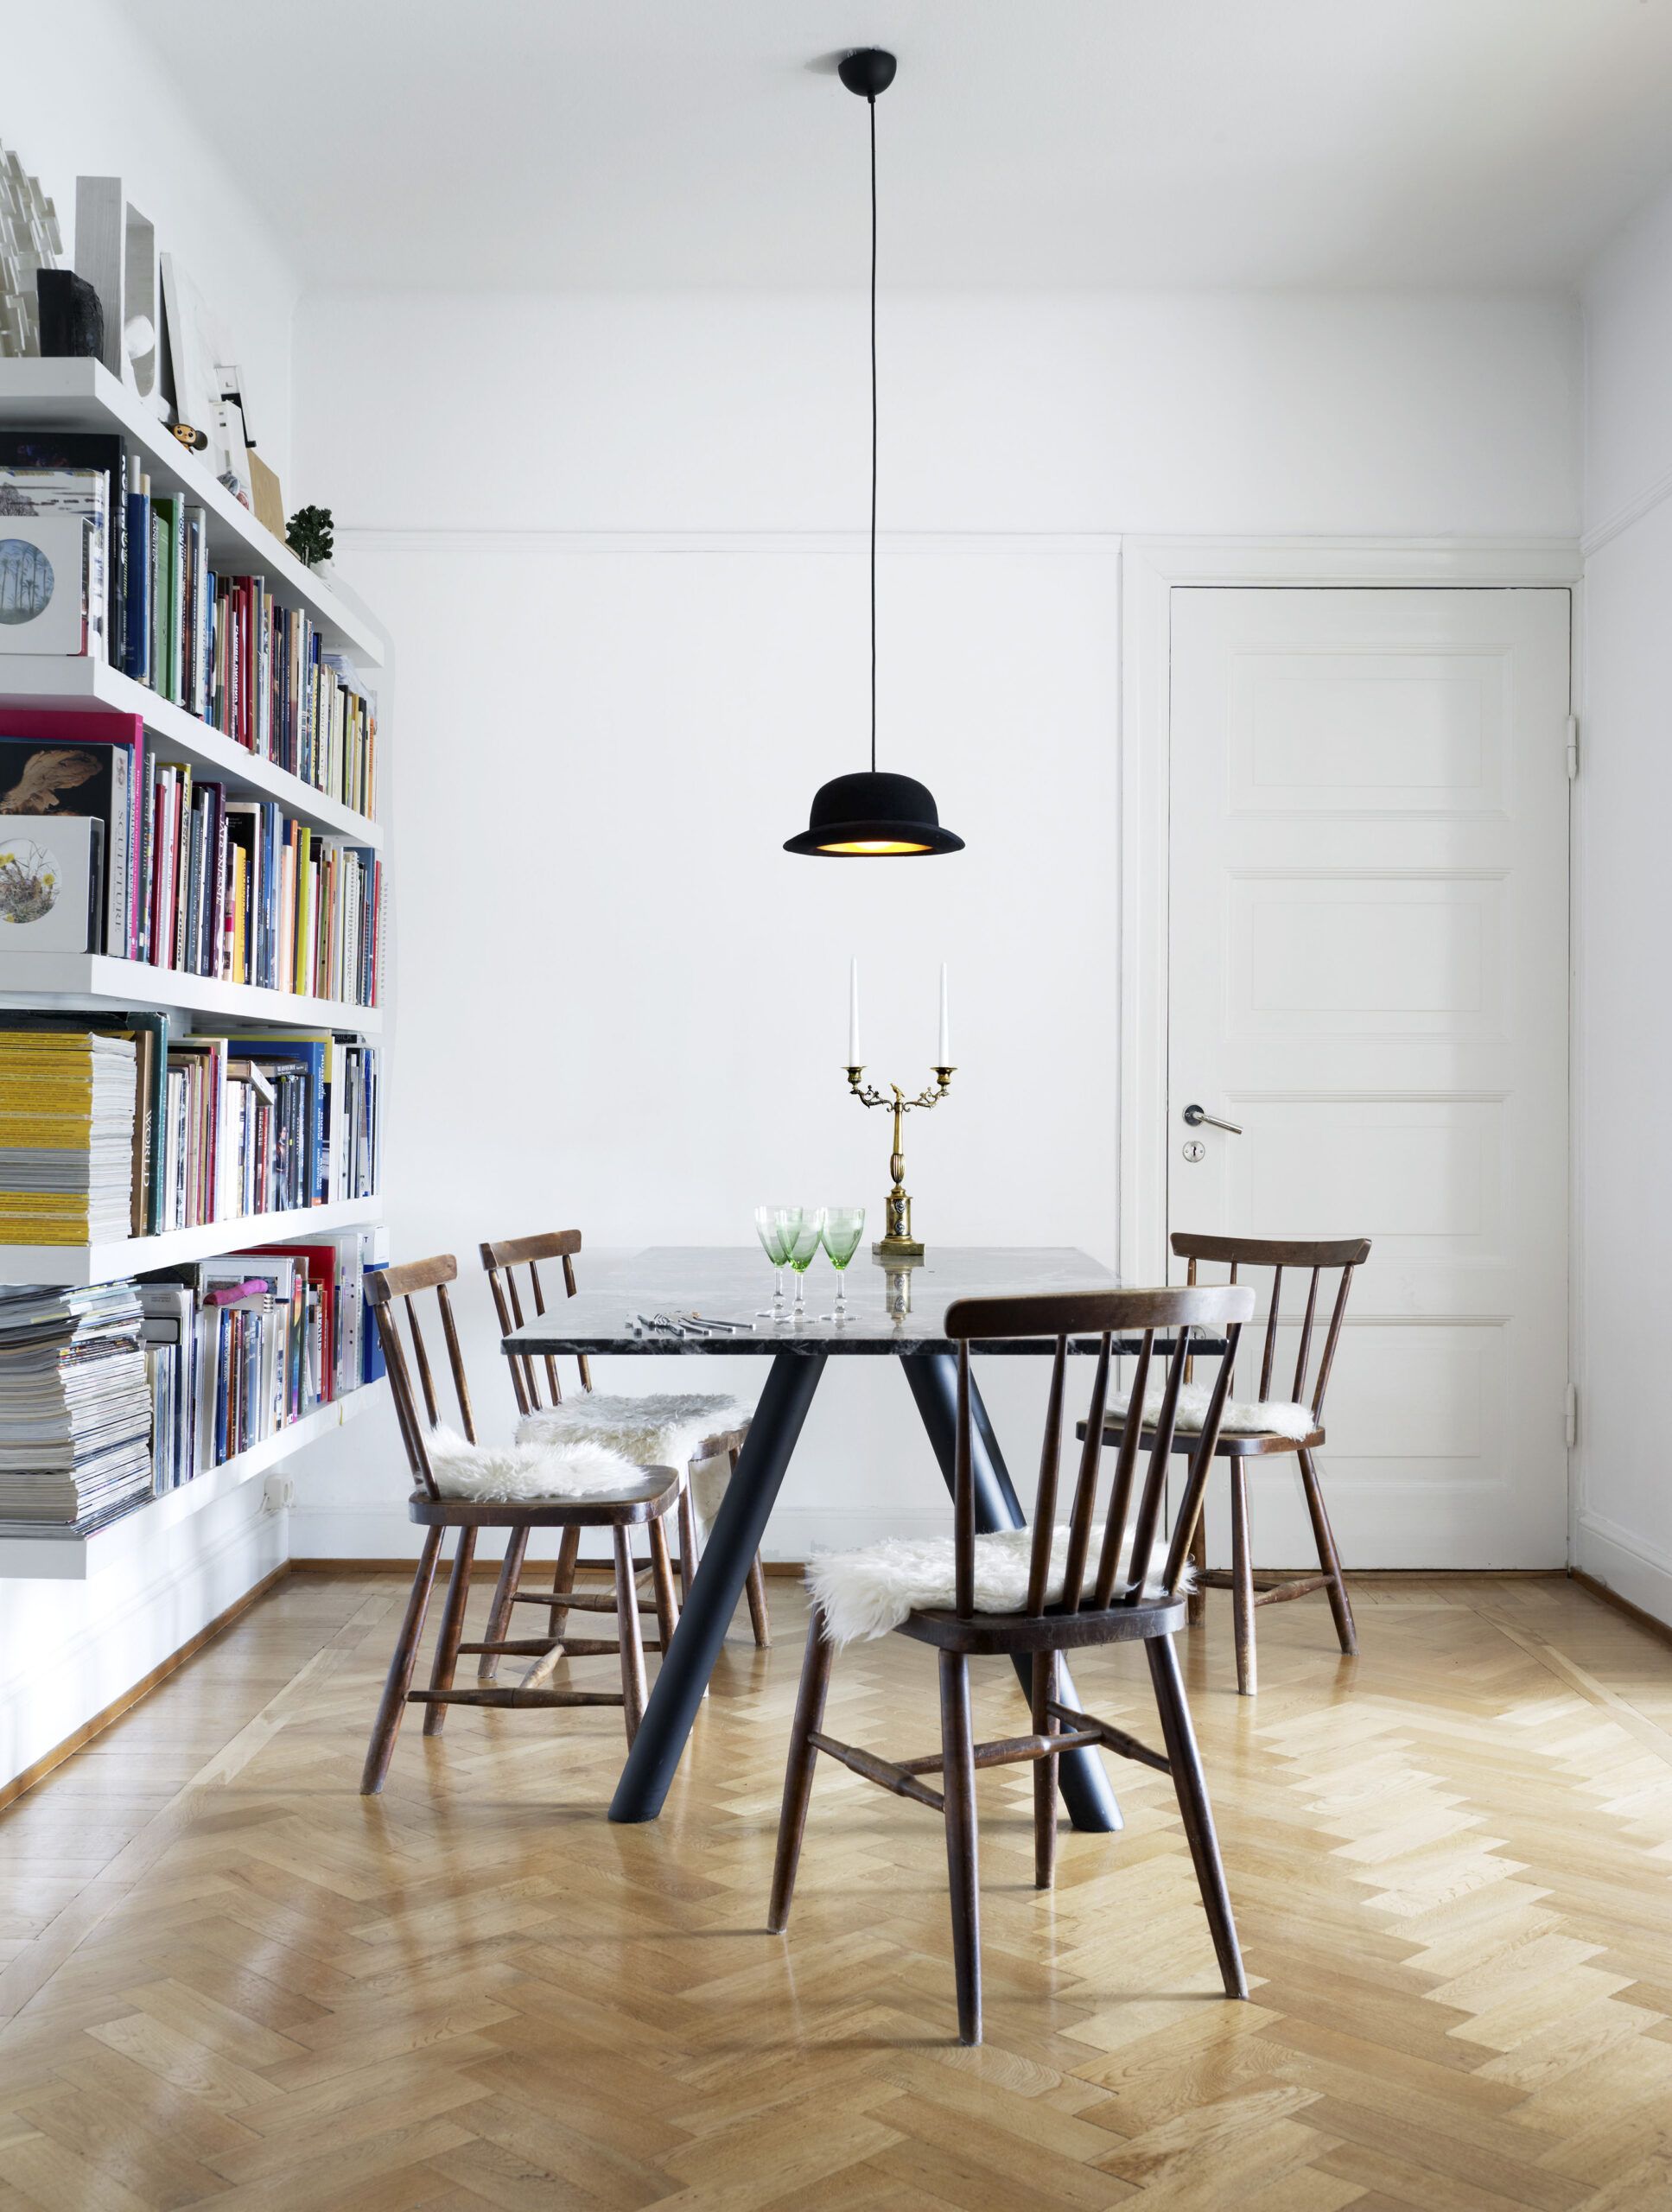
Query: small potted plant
{"points": [[309, 537]]}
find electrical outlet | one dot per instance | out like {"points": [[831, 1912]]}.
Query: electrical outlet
{"points": [[279, 1494]]}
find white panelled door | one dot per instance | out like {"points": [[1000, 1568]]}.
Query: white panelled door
{"points": [[1368, 956]]}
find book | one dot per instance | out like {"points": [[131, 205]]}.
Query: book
{"points": [[47, 782], [51, 889], [67, 1103], [44, 585], [75, 1405], [56, 449], [30, 499]]}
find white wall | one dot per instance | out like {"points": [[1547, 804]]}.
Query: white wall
{"points": [[79, 96], [615, 541], [82, 95], [1622, 915]]}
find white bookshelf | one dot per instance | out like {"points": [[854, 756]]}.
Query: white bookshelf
{"points": [[93, 981], [56, 1556], [92, 686], [135, 1255], [83, 396]]}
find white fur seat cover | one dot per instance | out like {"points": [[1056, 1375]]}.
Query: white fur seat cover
{"points": [[664, 1429], [867, 1593], [528, 1472], [1242, 1416]]}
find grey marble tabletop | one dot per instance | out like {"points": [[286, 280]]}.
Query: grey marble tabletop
{"points": [[892, 1312]]}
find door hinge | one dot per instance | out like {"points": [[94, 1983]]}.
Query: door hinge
{"points": [[1573, 747], [1570, 1415]]}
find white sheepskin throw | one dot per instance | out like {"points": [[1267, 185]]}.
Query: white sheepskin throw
{"points": [[524, 1473], [661, 1430], [866, 1593], [1242, 1416]]}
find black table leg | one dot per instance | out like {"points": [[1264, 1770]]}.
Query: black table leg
{"points": [[733, 1543], [933, 1378]]}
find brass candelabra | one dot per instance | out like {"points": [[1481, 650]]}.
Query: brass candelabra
{"points": [[898, 1246]]}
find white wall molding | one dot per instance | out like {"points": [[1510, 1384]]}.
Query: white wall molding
{"points": [[441, 539], [1658, 489], [1627, 1564]]}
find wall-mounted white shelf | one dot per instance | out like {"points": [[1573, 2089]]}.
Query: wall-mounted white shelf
{"points": [[62, 979], [84, 395], [54, 1555], [32, 681], [135, 1255]]}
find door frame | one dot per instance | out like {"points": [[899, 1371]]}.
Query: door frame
{"points": [[1152, 569]]}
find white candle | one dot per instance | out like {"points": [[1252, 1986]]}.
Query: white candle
{"points": [[945, 1059], [854, 1060]]}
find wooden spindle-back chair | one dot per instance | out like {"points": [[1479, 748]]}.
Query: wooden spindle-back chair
{"points": [[1318, 1261], [1071, 1598], [538, 1385], [646, 1499]]}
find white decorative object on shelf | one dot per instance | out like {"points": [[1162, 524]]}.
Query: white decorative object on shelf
{"points": [[115, 253], [29, 240]]}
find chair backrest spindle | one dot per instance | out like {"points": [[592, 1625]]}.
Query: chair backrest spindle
{"points": [[963, 1497], [1045, 1511], [1085, 1490]]}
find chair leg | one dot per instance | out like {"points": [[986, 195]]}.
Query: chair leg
{"points": [[1196, 1605], [1242, 1573], [689, 1549], [632, 1650], [562, 1580], [667, 1606], [392, 1707], [499, 1612], [759, 1621], [957, 1745], [798, 1770], [1190, 1786], [1328, 1558], [452, 1628], [1045, 1773]]}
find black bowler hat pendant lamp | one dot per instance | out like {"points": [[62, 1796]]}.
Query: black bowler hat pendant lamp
{"points": [[873, 815]]}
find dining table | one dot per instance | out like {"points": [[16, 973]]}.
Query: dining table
{"points": [[895, 1311]]}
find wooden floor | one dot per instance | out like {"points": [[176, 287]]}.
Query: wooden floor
{"points": [[224, 1978]]}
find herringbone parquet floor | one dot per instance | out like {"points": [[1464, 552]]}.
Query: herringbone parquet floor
{"points": [[226, 1980]]}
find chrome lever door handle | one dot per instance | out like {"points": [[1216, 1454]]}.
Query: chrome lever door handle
{"points": [[1195, 1116]]}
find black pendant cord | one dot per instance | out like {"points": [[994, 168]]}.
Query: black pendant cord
{"points": [[872, 104]]}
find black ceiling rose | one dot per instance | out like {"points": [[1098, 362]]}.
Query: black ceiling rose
{"points": [[873, 815], [868, 70]]}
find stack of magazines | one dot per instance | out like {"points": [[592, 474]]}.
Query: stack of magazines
{"points": [[75, 1407], [66, 1136]]}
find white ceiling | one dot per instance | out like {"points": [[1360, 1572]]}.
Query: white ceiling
{"points": [[1056, 143]]}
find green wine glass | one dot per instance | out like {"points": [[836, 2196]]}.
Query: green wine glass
{"points": [[801, 1250], [843, 1227], [777, 1228]]}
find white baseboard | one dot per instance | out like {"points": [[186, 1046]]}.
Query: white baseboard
{"points": [[1632, 1568], [69, 1649]]}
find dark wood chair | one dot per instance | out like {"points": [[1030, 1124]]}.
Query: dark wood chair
{"points": [[645, 1500], [1061, 1605], [1243, 1437], [647, 1416]]}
